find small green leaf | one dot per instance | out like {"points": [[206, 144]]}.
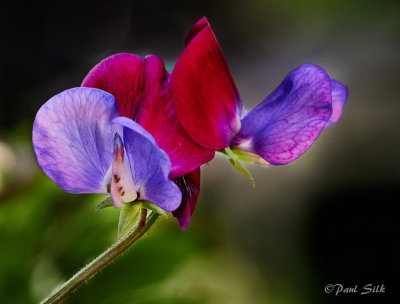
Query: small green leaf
{"points": [[128, 217], [234, 160], [150, 206], [104, 204]]}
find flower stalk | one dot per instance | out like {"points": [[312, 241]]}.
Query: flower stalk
{"points": [[100, 262]]}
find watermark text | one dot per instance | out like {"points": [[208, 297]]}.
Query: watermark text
{"points": [[338, 289]]}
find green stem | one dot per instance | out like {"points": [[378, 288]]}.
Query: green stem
{"points": [[103, 259]]}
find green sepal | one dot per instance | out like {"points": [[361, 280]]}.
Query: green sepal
{"points": [[129, 214], [128, 217], [104, 204], [152, 207], [238, 166], [234, 160], [249, 157]]}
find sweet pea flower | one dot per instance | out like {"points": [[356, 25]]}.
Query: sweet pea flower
{"points": [[142, 90], [277, 131], [84, 145]]}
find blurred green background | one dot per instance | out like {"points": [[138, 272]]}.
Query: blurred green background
{"points": [[330, 217]]}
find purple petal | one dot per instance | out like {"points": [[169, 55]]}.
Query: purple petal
{"points": [[73, 139], [339, 98], [290, 119], [150, 166]]}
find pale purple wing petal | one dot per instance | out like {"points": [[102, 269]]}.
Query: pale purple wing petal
{"points": [[73, 139], [339, 98], [150, 166], [290, 119]]}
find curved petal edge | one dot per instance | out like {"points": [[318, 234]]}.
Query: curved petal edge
{"points": [[340, 93]]}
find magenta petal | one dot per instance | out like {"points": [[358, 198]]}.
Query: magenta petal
{"points": [[121, 75], [290, 119], [158, 116], [339, 98], [142, 90], [73, 139], [190, 188], [206, 98]]}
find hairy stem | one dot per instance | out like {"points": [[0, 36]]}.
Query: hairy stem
{"points": [[87, 272]]}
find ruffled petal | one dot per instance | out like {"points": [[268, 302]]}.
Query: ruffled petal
{"points": [[142, 90], [290, 119], [150, 166], [339, 98], [73, 139], [206, 98], [190, 187]]}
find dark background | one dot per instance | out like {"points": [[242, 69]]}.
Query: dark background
{"points": [[329, 217]]}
